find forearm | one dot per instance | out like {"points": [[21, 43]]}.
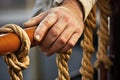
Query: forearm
{"points": [[85, 5], [75, 6]]}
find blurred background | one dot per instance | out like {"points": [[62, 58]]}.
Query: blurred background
{"points": [[15, 11]]}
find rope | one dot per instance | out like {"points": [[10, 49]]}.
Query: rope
{"points": [[103, 35], [19, 60], [87, 70], [61, 61], [87, 43]]}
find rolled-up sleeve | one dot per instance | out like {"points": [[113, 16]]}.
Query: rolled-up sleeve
{"points": [[87, 6]]}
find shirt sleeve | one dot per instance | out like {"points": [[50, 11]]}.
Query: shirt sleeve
{"points": [[41, 5], [87, 6]]}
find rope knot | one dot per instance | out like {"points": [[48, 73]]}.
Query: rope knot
{"points": [[19, 60], [103, 33]]}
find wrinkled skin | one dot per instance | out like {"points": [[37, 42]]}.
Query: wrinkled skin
{"points": [[59, 28]]}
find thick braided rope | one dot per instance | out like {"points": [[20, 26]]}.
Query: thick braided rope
{"points": [[103, 35], [86, 69], [19, 60], [61, 61]]}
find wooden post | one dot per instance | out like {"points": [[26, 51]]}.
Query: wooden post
{"points": [[102, 73], [114, 73]]}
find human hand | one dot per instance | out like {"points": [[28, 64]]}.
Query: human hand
{"points": [[59, 28]]}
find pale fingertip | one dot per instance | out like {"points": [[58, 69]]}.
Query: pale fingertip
{"points": [[37, 37], [37, 34]]}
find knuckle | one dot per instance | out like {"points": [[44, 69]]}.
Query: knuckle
{"points": [[62, 14], [46, 22], [54, 32], [51, 16], [72, 23], [66, 18], [62, 40], [78, 29], [71, 44], [57, 12]]}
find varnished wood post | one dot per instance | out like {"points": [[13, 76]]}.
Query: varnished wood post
{"points": [[10, 42]]}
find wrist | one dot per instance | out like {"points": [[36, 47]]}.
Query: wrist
{"points": [[75, 6]]}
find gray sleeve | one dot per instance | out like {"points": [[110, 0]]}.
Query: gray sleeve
{"points": [[41, 5]]}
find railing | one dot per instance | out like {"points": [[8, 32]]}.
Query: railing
{"points": [[10, 42]]}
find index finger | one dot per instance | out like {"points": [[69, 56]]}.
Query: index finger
{"points": [[35, 20], [44, 26]]}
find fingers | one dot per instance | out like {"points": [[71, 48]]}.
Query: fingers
{"points": [[44, 26], [73, 40], [35, 20], [61, 41], [54, 33]]}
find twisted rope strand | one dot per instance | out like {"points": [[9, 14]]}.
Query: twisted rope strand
{"points": [[61, 61], [87, 70], [17, 61], [103, 34]]}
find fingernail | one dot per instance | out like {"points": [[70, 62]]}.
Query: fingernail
{"points": [[37, 37]]}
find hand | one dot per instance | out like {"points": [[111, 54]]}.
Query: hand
{"points": [[59, 28]]}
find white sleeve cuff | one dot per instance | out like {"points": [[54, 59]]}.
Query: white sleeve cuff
{"points": [[87, 6]]}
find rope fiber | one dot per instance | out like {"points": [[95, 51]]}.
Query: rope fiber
{"points": [[103, 35], [19, 60], [61, 61], [87, 43], [87, 70]]}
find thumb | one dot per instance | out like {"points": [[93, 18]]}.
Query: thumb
{"points": [[35, 20]]}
